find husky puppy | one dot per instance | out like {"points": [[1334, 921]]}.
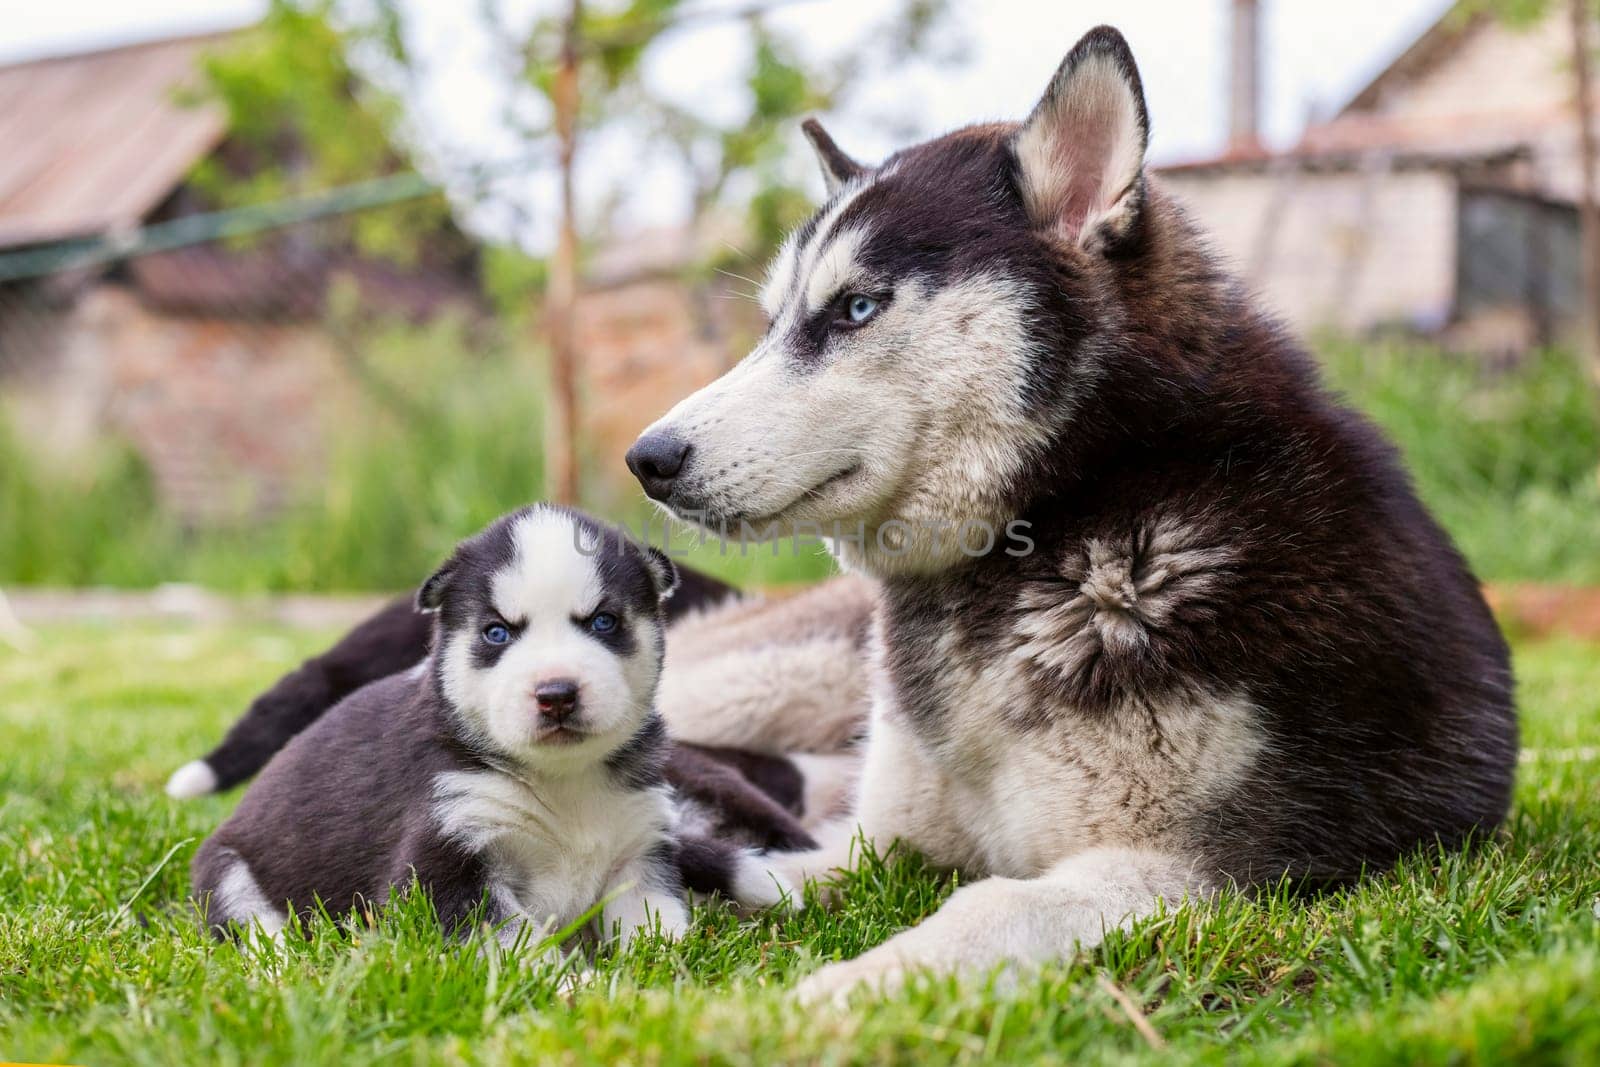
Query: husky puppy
{"points": [[1157, 613], [731, 658], [394, 639], [520, 766]]}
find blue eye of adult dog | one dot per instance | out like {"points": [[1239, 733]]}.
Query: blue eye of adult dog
{"points": [[496, 633], [603, 623], [859, 308]]}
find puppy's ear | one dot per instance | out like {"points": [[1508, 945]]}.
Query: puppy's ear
{"points": [[1081, 152], [663, 572], [837, 168], [431, 596]]}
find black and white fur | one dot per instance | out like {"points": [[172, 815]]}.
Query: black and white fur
{"points": [[520, 766], [1237, 647]]}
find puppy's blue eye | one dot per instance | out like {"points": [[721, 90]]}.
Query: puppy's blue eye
{"points": [[496, 633], [603, 622], [859, 308]]}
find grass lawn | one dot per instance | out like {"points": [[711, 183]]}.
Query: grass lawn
{"points": [[1482, 958]]}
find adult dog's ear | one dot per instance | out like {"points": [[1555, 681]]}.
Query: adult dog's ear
{"points": [[663, 572], [837, 168], [431, 596], [1081, 151]]}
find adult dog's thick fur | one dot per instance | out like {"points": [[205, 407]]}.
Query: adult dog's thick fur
{"points": [[1234, 646]]}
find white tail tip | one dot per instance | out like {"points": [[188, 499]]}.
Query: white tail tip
{"points": [[193, 779]]}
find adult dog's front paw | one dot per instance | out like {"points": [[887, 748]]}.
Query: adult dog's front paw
{"points": [[881, 972]]}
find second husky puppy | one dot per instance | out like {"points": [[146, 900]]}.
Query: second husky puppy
{"points": [[518, 767]]}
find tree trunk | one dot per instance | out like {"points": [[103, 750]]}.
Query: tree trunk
{"points": [[561, 412]]}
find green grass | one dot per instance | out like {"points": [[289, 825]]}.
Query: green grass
{"points": [[1509, 460], [1480, 958]]}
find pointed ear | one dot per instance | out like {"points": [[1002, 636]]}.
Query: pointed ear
{"points": [[1081, 151], [837, 168], [663, 572], [431, 596]]}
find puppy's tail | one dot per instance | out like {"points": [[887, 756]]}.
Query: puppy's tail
{"points": [[737, 874], [268, 723], [266, 726]]}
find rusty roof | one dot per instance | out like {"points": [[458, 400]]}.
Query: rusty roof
{"points": [[1487, 135], [95, 141], [1360, 131], [1436, 44]]}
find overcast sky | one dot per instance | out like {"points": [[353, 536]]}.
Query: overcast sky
{"points": [[1316, 54]]}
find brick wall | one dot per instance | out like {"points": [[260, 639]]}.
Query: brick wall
{"points": [[229, 415], [232, 414], [642, 347]]}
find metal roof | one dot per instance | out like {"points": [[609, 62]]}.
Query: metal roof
{"points": [[91, 143]]}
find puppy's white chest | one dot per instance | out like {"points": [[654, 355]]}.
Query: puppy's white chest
{"points": [[555, 851]]}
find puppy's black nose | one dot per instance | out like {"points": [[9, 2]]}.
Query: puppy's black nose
{"points": [[557, 699], [655, 459]]}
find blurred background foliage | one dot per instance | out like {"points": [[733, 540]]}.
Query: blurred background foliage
{"points": [[315, 98], [444, 430], [1504, 457], [301, 120], [447, 432]]}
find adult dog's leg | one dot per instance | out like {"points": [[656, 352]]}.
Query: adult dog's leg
{"points": [[900, 795], [1020, 922]]}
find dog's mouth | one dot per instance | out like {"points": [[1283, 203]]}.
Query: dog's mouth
{"points": [[733, 521], [832, 480], [557, 735]]}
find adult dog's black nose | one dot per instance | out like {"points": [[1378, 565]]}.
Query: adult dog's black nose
{"points": [[557, 699], [655, 459]]}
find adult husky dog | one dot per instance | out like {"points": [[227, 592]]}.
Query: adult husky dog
{"points": [[1238, 648]]}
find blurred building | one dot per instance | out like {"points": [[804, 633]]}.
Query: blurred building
{"points": [[1442, 197], [215, 359], [223, 365]]}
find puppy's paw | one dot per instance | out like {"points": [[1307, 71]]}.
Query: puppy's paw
{"points": [[575, 978], [800, 871], [756, 885]]}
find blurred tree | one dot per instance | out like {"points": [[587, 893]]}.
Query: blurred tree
{"points": [[742, 152], [1580, 23], [301, 120], [585, 70], [1515, 12]]}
